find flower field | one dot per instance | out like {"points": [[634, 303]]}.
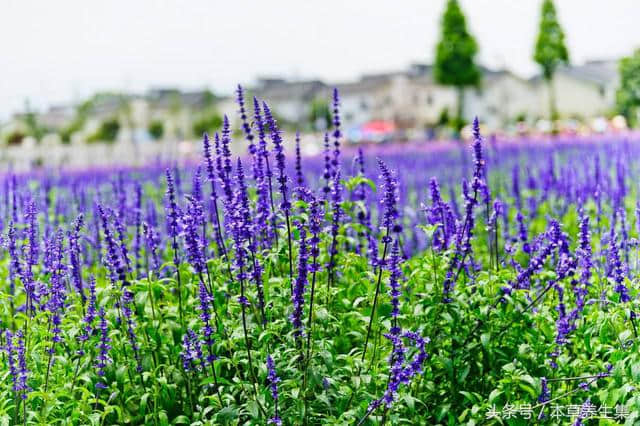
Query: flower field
{"points": [[483, 284]]}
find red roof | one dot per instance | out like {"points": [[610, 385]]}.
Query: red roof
{"points": [[378, 126]]}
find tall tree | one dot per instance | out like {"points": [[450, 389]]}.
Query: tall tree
{"points": [[628, 94], [455, 53], [550, 50]]}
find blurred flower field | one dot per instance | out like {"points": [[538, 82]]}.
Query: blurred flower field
{"points": [[402, 285]]}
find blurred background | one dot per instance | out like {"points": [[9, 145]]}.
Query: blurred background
{"points": [[86, 83]]}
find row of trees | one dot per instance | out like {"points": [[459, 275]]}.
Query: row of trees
{"points": [[207, 119], [456, 51], [628, 94]]}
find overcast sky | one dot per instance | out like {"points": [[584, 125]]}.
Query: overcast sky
{"points": [[61, 51]]}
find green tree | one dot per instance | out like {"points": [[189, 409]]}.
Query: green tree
{"points": [[15, 138], [550, 50], [209, 122], [107, 132], [30, 120], [319, 112], [67, 131], [628, 94], [33, 126], [156, 129], [455, 53], [208, 99]]}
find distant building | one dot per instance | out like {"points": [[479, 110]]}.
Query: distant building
{"points": [[501, 98], [412, 98], [407, 99], [581, 91], [56, 117], [290, 101]]}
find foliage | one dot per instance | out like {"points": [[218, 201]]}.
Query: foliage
{"points": [[455, 52], [76, 125], [360, 292], [207, 123], [107, 132], [319, 112], [15, 137], [34, 129], [550, 49], [209, 99], [628, 94], [156, 129]]}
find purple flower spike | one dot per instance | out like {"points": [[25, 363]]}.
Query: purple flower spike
{"points": [[273, 380], [102, 359]]}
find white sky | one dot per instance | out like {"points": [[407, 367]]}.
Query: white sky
{"points": [[61, 51]]}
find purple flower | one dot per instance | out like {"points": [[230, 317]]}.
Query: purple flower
{"points": [[207, 331], [112, 259], [335, 162], [31, 217], [536, 262], [89, 317], [401, 369], [225, 141], [211, 176], [240, 232], [614, 264], [300, 285], [522, 233], [276, 138], [191, 223], [316, 218], [586, 410], [389, 200], [57, 294], [172, 212], [137, 213], [244, 226], [15, 267], [191, 354], [17, 363], [273, 380], [545, 393], [360, 194], [152, 241], [515, 184], [436, 216], [264, 185], [336, 214], [243, 117], [118, 274], [394, 286], [122, 239], [102, 359], [74, 257], [325, 383], [327, 173], [9, 348], [299, 174]]}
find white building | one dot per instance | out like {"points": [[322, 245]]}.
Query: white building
{"points": [[289, 101], [501, 98], [413, 99], [581, 91]]}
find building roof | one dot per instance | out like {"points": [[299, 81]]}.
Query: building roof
{"points": [[599, 72], [170, 97], [363, 85], [279, 89]]}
